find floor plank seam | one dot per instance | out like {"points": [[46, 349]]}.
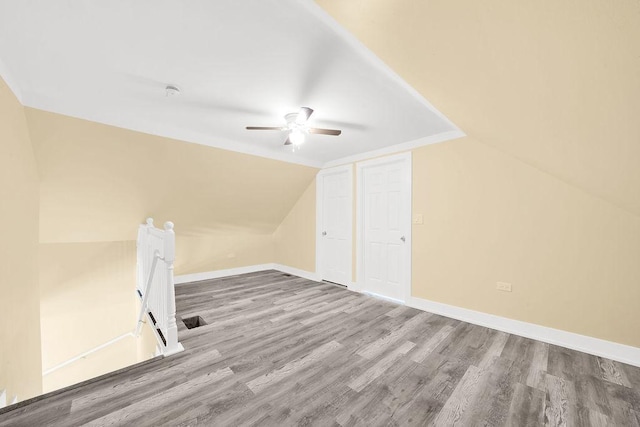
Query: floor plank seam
{"points": [[280, 350]]}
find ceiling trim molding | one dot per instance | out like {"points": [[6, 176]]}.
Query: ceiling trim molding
{"points": [[8, 79], [167, 131], [405, 146], [108, 114], [180, 134], [373, 59]]}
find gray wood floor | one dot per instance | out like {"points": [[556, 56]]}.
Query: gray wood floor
{"points": [[280, 350]]}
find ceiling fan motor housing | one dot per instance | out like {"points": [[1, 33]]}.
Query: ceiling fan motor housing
{"points": [[293, 124], [297, 127]]}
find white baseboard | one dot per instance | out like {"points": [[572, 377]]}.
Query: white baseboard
{"points": [[297, 272], [216, 274], [595, 346], [382, 297], [3, 399]]}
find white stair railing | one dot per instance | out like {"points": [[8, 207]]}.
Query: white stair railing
{"points": [[155, 285]]}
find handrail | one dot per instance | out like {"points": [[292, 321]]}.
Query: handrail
{"points": [[156, 288], [145, 295], [86, 353]]}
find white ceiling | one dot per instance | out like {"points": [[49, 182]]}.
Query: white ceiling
{"points": [[237, 62]]}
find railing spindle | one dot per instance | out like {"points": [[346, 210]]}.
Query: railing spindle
{"points": [[156, 256]]}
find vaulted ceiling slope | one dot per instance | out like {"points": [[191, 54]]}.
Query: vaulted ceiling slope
{"points": [[98, 182], [555, 84], [237, 63]]}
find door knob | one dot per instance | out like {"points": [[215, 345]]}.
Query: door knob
{"points": [[324, 233], [403, 239]]}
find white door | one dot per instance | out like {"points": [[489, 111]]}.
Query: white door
{"points": [[384, 187], [334, 235]]}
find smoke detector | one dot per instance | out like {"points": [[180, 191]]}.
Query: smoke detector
{"points": [[172, 90]]}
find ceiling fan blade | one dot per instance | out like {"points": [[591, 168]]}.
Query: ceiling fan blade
{"points": [[265, 128], [303, 115], [288, 142], [333, 132]]}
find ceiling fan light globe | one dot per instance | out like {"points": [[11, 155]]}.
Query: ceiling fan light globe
{"points": [[296, 137]]}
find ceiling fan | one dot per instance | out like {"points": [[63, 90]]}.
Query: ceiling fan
{"points": [[297, 127]]}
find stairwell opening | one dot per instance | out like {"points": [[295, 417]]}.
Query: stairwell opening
{"points": [[193, 322]]}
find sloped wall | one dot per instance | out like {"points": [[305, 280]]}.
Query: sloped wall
{"points": [[87, 299], [20, 363], [295, 237], [571, 257], [98, 182], [554, 84], [546, 191]]}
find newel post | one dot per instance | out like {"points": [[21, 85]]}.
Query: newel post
{"points": [[173, 346], [143, 250]]}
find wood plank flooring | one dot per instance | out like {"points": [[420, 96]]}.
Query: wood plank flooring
{"points": [[281, 350]]}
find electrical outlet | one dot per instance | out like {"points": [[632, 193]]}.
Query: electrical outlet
{"points": [[418, 219], [502, 286]]}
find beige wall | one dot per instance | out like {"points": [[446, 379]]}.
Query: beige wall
{"points": [[555, 84], [572, 258], [120, 354], [111, 358], [295, 238], [545, 193], [223, 250], [87, 299], [97, 183], [20, 363]]}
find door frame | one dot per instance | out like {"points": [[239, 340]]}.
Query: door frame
{"points": [[360, 167], [319, 224]]}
